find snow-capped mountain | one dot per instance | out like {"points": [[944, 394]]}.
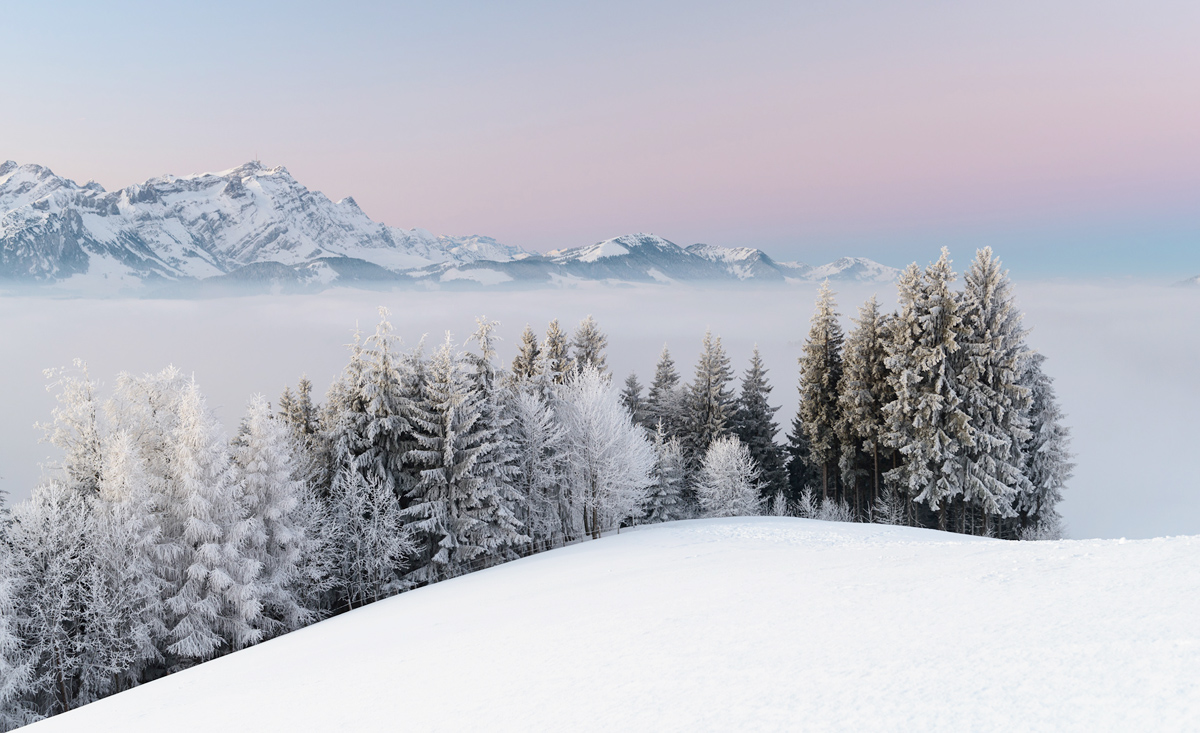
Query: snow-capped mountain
{"points": [[200, 226], [256, 227]]}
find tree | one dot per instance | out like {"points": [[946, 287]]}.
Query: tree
{"points": [[820, 373], [608, 458], [557, 362], [991, 359], [369, 538], [727, 485], [537, 436], [665, 400], [631, 397], [664, 500], [754, 425], [525, 363], [802, 476], [925, 422], [1046, 452], [264, 459], [862, 393], [75, 428], [709, 402], [16, 668], [589, 344]]}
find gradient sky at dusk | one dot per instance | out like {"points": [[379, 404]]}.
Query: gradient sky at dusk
{"points": [[1065, 134]]}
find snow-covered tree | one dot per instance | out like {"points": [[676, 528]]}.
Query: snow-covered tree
{"points": [[709, 403], [609, 459], [376, 427], [665, 400], [1046, 453], [727, 484], [16, 668], [754, 425], [264, 457], [544, 509], [75, 428], [925, 422], [458, 510], [557, 363], [820, 373], [801, 474], [862, 393], [524, 365], [664, 499], [368, 539], [990, 362], [631, 397], [588, 346]]}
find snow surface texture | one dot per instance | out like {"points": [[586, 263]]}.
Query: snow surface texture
{"points": [[733, 624], [1123, 358]]}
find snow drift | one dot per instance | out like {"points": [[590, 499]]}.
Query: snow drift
{"points": [[748, 624]]}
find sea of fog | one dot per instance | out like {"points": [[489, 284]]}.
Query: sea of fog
{"points": [[1124, 357]]}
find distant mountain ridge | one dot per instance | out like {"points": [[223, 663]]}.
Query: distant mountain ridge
{"points": [[256, 226]]}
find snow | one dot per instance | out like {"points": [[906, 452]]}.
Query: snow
{"points": [[481, 275], [735, 624], [598, 251]]}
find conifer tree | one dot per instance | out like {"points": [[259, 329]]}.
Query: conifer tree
{"points": [[727, 485], [802, 476], [1046, 454], [709, 400], [754, 425], [544, 508], [664, 500], [925, 422], [588, 346], [665, 400], [555, 356], [991, 359], [378, 432], [369, 540], [820, 373], [631, 397], [863, 392], [525, 363], [16, 669]]}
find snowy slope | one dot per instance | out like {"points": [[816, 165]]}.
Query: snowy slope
{"points": [[740, 624]]}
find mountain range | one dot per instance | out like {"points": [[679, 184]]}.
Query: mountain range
{"points": [[256, 227]]}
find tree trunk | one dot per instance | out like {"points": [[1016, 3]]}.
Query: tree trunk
{"points": [[875, 455], [824, 480], [942, 516]]}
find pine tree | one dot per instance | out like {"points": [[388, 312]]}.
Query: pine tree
{"points": [[588, 346], [1046, 454], [863, 392], [925, 422], [664, 500], [631, 397], [525, 363], [665, 400], [991, 358], [754, 426], [557, 362], [820, 373], [709, 402], [727, 485], [608, 458]]}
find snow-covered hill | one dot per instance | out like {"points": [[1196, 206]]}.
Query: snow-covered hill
{"points": [[258, 228], [737, 624]]}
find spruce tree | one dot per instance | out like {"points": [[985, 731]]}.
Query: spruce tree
{"points": [[991, 359], [801, 475], [588, 346], [754, 425], [16, 669], [369, 540], [525, 363], [1046, 455], [863, 392], [555, 356], [665, 400], [664, 500], [709, 403], [631, 397], [543, 509], [820, 374]]}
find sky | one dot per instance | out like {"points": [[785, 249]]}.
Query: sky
{"points": [[1066, 134]]}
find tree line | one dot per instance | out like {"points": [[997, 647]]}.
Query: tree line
{"points": [[159, 542]]}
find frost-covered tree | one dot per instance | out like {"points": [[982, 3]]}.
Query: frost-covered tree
{"points": [[458, 510], [588, 346], [631, 397], [727, 484], [608, 458], [544, 508], [862, 393], [754, 424], [664, 499], [820, 374], [925, 422], [16, 668], [665, 400], [264, 457], [709, 404], [524, 365], [555, 356], [991, 358], [369, 539], [75, 428], [1046, 453]]}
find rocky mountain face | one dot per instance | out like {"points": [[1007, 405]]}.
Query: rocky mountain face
{"points": [[256, 226]]}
